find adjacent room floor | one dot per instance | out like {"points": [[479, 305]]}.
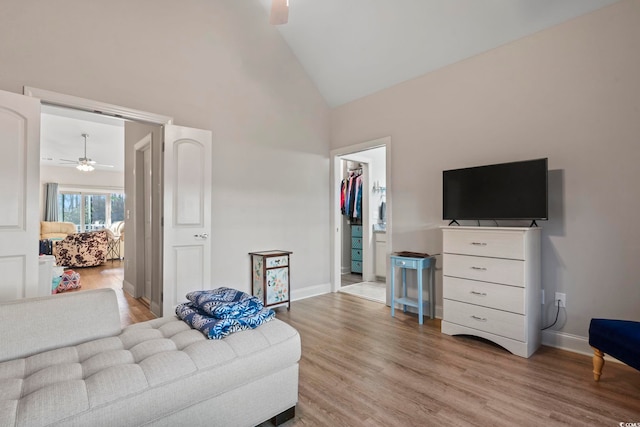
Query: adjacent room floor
{"points": [[353, 284], [111, 275]]}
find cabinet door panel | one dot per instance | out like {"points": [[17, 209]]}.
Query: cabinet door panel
{"points": [[277, 285]]}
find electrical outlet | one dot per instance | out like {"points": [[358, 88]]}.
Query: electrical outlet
{"points": [[562, 298]]}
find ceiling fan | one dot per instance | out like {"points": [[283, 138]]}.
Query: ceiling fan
{"points": [[279, 12], [84, 163]]}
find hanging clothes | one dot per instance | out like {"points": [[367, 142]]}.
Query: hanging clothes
{"points": [[351, 196], [343, 196], [357, 206]]}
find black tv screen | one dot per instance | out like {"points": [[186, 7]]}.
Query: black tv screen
{"points": [[516, 190]]}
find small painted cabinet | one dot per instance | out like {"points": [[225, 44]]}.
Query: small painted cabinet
{"points": [[356, 249], [270, 276]]}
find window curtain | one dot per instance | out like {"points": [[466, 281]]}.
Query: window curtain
{"points": [[51, 202]]}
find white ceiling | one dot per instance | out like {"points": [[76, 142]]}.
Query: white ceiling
{"points": [[61, 138], [353, 48], [350, 49]]}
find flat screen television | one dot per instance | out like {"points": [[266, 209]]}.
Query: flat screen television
{"points": [[506, 191]]}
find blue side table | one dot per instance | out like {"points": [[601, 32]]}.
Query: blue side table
{"points": [[419, 264]]}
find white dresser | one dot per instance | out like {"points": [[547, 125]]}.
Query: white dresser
{"points": [[491, 285]]}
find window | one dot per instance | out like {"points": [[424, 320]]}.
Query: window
{"points": [[70, 208], [90, 210], [117, 207]]}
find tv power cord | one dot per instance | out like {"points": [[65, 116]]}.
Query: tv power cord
{"points": [[555, 321]]}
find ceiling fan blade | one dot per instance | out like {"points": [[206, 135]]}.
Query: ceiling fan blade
{"points": [[102, 166], [279, 12], [68, 161]]}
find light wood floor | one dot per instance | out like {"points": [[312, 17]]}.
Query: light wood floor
{"points": [[361, 367], [111, 275]]}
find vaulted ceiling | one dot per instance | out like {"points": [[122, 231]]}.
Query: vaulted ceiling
{"points": [[351, 49]]}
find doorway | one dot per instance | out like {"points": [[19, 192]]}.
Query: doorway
{"points": [[123, 144], [361, 225], [184, 194]]}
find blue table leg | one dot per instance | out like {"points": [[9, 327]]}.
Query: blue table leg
{"points": [[404, 287], [420, 296], [432, 290]]}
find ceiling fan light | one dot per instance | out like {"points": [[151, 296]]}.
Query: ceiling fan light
{"points": [[84, 167]]}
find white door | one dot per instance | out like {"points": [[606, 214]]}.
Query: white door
{"points": [[19, 181], [187, 214]]}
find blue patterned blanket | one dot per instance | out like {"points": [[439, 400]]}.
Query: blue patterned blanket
{"points": [[235, 303], [225, 303]]}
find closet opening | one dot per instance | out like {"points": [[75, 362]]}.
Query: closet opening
{"points": [[362, 223]]}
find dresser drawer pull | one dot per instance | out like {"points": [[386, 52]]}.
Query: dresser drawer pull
{"points": [[479, 268], [478, 244], [481, 294], [479, 319]]}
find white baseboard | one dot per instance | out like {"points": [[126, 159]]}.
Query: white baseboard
{"points": [[569, 342], [310, 291]]}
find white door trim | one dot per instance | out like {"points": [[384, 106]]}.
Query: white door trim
{"points": [[336, 222], [70, 101], [136, 254]]}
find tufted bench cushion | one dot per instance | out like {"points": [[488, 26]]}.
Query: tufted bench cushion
{"points": [[146, 373]]}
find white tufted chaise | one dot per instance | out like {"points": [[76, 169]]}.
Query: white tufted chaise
{"points": [[64, 361]]}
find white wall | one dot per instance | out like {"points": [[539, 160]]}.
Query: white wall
{"points": [[570, 93], [211, 64], [73, 178]]}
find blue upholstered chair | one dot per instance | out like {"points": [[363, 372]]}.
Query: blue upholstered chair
{"points": [[617, 338]]}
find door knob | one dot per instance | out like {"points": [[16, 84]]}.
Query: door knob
{"points": [[201, 236]]}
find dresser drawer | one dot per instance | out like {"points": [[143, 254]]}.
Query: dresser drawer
{"points": [[406, 263], [356, 254], [278, 261], [356, 266], [356, 231], [497, 244], [356, 242], [497, 322], [492, 295], [496, 270]]}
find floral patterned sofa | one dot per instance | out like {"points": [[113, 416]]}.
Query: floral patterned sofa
{"points": [[82, 249]]}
